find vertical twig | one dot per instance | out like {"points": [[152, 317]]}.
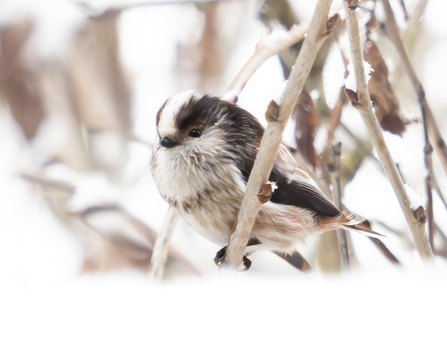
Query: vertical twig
{"points": [[334, 170], [277, 118], [362, 102], [161, 247], [429, 212]]}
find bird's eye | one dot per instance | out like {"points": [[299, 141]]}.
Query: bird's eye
{"points": [[195, 133]]}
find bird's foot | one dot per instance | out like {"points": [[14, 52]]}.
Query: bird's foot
{"points": [[219, 260]]}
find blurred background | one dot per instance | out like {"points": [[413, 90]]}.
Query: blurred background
{"points": [[81, 82]]}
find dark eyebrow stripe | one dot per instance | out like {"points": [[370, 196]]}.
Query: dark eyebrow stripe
{"points": [[192, 113]]}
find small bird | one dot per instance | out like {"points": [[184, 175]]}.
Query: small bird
{"points": [[201, 164]]}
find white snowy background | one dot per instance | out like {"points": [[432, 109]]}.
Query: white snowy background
{"points": [[42, 289]]}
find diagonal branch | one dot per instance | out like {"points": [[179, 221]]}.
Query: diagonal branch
{"points": [[277, 118], [362, 102], [268, 46]]}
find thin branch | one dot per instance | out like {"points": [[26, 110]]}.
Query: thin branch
{"points": [[161, 247], [385, 251], [433, 130], [429, 212], [362, 102], [404, 9], [277, 118], [268, 46], [335, 120], [334, 170]]}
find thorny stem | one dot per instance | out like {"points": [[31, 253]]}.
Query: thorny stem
{"points": [[363, 105], [268, 46], [272, 137], [161, 247]]}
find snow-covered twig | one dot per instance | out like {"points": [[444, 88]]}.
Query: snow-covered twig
{"points": [[161, 247], [268, 46], [277, 118], [361, 100]]}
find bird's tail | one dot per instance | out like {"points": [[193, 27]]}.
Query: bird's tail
{"points": [[348, 221]]}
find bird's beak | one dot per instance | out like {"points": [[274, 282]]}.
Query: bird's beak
{"points": [[167, 143]]}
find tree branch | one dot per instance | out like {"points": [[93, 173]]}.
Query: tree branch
{"points": [[268, 46], [361, 100], [277, 118], [161, 247], [334, 170]]}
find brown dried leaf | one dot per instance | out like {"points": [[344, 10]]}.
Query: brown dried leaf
{"points": [[305, 127], [383, 96], [17, 82], [100, 90]]}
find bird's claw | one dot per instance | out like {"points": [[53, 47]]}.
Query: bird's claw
{"points": [[219, 260]]}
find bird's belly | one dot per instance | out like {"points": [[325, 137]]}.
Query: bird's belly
{"points": [[212, 223]]}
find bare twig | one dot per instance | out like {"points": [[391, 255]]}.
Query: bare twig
{"points": [[433, 130], [429, 211], [161, 247], [385, 251], [335, 120], [277, 118], [268, 46], [150, 236], [404, 9], [334, 169], [362, 102]]}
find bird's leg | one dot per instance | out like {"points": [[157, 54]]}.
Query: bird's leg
{"points": [[219, 259]]}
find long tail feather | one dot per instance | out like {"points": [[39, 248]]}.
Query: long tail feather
{"points": [[362, 228]]}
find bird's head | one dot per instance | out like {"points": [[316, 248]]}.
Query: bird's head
{"points": [[203, 129], [189, 121]]}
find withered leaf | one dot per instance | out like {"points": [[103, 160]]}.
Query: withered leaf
{"points": [[305, 127], [382, 94], [18, 84]]}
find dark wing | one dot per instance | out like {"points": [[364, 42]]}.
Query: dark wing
{"points": [[244, 141], [292, 191]]}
